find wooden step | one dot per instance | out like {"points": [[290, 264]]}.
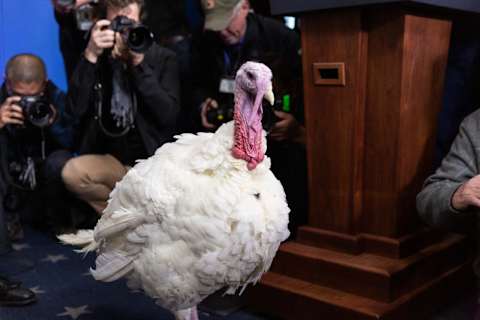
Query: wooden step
{"points": [[368, 243], [288, 298], [375, 277]]}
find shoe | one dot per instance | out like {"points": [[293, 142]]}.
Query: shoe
{"points": [[10, 284], [16, 296]]}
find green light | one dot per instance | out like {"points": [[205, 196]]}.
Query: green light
{"points": [[286, 103]]}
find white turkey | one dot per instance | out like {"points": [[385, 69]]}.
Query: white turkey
{"points": [[202, 214]]}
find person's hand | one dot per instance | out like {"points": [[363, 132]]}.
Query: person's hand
{"points": [[101, 38], [468, 194], [122, 52], [11, 112], [207, 105], [287, 128]]}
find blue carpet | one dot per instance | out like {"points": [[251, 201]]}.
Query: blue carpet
{"points": [[66, 291]]}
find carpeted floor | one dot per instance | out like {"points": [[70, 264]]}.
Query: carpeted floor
{"points": [[66, 290]]}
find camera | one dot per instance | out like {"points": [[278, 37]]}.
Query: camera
{"points": [[66, 3], [224, 112], [137, 36], [86, 15], [37, 110]]}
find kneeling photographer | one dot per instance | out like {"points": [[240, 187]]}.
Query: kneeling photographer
{"points": [[35, 134], [125, 95]]}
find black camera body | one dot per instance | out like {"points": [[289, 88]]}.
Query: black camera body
{"points": [[37, 110], [137, 36], [224, 112], [220, 115]]}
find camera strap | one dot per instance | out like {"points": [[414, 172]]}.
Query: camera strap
{"points": [[28, 177], [99, 113], [42, 144]]}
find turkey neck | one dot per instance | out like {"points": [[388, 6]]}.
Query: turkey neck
{"points": [[248, 128]]}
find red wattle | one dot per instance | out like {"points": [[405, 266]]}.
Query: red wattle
{"points": [[250, 151]]}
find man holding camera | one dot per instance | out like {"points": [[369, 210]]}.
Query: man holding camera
{"points": [[75, 18], [232, 36], [125, 95], [35, 133]]}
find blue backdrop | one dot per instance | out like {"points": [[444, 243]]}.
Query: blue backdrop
{"points": [[29, 26]]}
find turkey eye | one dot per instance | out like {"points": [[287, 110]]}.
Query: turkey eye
{"points": [[257, 195], [250, 75]]}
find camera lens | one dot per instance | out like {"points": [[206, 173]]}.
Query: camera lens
{"points": [[37, 110], [39, 114], [140, 39]]}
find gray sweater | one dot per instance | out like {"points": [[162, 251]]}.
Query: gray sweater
{"points": [[461, 164]]}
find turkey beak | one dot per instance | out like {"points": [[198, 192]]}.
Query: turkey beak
{"points": [[269, 96], [257, 106]]}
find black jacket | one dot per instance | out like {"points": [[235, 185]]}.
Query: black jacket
{"points": [[156, 86], [266, 40]]}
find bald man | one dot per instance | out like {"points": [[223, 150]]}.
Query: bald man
{"points": [[32, 154]]}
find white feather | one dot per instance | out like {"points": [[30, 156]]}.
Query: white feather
{"points": [[191, 220]]}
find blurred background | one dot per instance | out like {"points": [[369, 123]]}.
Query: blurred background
{"points": [[22, 31]]}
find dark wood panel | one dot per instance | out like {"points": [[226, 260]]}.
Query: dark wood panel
{"points": [[385, 56], [405, 82], [334, 134], [422, 92], [369, 145]]}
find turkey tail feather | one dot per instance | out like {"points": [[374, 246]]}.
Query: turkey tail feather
{"points": [[83, 238]]}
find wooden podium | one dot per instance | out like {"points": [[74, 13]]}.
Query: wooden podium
{"points": [[373, 76]]}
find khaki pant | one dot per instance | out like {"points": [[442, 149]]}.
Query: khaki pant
{"points": [[92, 177]]}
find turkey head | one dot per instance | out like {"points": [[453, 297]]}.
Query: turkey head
{"points": [[253, 83]]}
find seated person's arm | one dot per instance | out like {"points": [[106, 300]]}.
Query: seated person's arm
{"points": [[455, 185]]}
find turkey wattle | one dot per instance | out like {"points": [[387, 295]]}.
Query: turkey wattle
{"points": [[202, 214]]}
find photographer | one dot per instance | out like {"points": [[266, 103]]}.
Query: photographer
{"points": [[125, 95], [34, 134], [74, 18], [232, 36]]}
